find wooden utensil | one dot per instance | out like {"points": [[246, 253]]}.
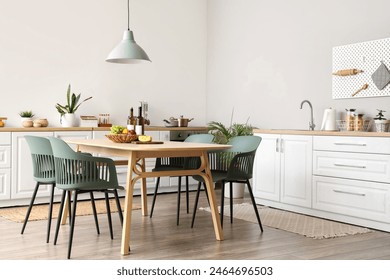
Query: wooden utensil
{"points": [[347, 72], [365, 86]]}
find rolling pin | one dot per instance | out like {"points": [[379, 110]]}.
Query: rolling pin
{"points": [[347, 72]]}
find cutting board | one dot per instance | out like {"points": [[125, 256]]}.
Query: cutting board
{"points": [[151, 142]]}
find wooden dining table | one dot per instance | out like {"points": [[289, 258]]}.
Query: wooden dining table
{"points": [[136, 155]]}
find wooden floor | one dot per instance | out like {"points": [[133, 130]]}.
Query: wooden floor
{"points": [[160, 238]]}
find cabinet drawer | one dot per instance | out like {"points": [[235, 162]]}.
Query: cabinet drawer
{"points": [[360, 199], [377, 145], [5, 138], [5, 156], [370, 167]]}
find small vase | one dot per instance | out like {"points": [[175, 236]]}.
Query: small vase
{"points": [[382, 125], [26, 121], [68, 120]]}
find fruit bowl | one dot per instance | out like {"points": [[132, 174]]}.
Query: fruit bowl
{"points": [[122, 138]]}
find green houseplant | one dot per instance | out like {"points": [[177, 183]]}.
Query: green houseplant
{"points": [[67, 111], [26, 118], [222, 135]]}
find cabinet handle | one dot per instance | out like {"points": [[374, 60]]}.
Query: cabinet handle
{"points": [[353, 193], [350, 144], [277, 145], [281, 145], [348, 165]]}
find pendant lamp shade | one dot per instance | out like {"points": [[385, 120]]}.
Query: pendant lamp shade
{"points": [[127, 51]]}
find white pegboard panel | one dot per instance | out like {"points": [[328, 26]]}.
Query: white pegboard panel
{"points": [[366, 56]]}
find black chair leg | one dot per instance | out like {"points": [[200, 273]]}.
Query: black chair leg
{"points": [[195, 204], [178, 201], [187, 195], [109, 214], [231, 202], [30, 207], [50, 214], [154, 196], [59, 216], [69, 206], [254, 205], [118, 206], [73, 221], [222, 201], [94, 212]]}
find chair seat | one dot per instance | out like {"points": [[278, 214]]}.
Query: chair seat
{"points": [[217, 176]]}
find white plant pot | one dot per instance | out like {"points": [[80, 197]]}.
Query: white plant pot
{"points": [[68, 120], [238, 190], [26, 121]]}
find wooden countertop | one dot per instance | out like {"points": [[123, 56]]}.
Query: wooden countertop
{"points": [[49, 128], [322, 133]]}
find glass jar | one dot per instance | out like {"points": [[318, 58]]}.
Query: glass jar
{"points": [[359, 122], [350, 119]]}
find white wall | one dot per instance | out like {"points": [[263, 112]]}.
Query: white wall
{"points": [[47, 44], [265, 57]]}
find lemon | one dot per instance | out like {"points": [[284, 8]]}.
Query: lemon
{"points": [[145, 138]]}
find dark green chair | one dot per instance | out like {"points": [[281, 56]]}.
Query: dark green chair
{"points": [[83, 173], [166, 164], [43, 173], [232, 166]]}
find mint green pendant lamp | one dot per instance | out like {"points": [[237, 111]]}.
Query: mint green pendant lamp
{"points": [[127, 51]]}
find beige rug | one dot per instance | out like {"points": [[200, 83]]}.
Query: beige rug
{"points": [[40, 212], [308, 226]]}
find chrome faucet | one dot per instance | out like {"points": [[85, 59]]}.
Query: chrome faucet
{"points": [[311, 123]]}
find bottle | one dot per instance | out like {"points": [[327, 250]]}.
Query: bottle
{"points": [[131, 120], [139, 123]]}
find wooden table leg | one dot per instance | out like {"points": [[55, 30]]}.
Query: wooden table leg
{"points": [[211, 194], [128, 206], [144, 194]]}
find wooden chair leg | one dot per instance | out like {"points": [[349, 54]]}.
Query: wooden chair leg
{"points": [[30, 207], [154, 196], [59, 216], [94, 212], [50, 214], [254, 205], [109, 214]]}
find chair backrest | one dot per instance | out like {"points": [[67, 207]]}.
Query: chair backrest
{"points": [[194, 162], [200, 138], [244, 144], [42, 158], [76, 170]]}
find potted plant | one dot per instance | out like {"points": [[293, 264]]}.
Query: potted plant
{"points": [[26, 118], [67, 111], [222, 135], [381, 123]]}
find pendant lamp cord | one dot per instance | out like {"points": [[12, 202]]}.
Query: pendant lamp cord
{"points": [[128, 15]]}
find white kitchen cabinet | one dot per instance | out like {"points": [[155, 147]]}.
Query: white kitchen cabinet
{"points": [[5, 166], [283, 169], [23, 183], [352, 177]]}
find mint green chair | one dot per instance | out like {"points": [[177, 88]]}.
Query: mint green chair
{"points": [[82, 173], [165, 164], [43, 173], [234, 165]]}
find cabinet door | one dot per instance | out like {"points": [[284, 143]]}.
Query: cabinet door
{"points": [[266, 177], [296, 169], [23, 183], [5, 183], [73, 135]]}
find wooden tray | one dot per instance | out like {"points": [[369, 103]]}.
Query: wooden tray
{"points": [[151, 142]]}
